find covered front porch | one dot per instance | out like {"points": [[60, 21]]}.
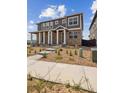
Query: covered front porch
{"points": [[51, 37]]}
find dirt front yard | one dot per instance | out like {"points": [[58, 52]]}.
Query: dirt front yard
{"points": [[65, 55], [70, 56]]}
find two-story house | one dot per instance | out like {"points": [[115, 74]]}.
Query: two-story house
{"points": [[61, 31], [93, 28]]}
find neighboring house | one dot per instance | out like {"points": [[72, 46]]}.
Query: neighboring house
{"points": [[61, 31], [93, 28]]}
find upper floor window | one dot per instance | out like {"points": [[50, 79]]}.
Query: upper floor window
{"points": [[63, 21], [47, 24], [44, 25], [72, 21], [56, 22], [51, 23]]}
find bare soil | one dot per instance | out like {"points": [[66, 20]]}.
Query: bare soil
{"points": [[65, 56], [41, 86]]}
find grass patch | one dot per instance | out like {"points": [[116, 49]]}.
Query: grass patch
{"points": [[76, 87], [58, 57]]}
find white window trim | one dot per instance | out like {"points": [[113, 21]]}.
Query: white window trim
{"points": [[72, 18], [51, 23], [73, 34], [56, 22], [64, 21]]}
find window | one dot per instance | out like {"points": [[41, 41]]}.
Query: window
{"points": [[63, 21], [72, 21], [43, 24], [39, 27], [47, 24], [73, 34], [70, 34], [56, 22], [51, 23]]}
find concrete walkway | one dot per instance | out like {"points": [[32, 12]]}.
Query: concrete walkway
{"points": [[84, 76]]}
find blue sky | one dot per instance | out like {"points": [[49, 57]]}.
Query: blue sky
{"points": [[41, 10]]}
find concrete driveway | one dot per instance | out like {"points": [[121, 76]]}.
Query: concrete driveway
{"points": [[84, 76]]}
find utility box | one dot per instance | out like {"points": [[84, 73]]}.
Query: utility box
{"points": [[94, 54], [80, 52]]}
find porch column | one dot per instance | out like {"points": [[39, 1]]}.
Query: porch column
{"points": [[57, 41], [48, 37], [64, 36], [39, 37], [43, 37], [31, 38], [51, 38]]}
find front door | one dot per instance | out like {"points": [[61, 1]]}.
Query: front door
{"points": [[61, 37]]}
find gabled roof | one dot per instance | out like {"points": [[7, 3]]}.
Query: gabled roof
{"points": [[60, 27]]}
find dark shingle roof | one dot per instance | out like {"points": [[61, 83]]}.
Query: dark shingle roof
{"points": [[60, 18]]}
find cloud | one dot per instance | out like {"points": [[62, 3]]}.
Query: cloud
{"points": [[31, 25], [86, 35], [93, 9], [91, 18], [31, 22], [62, 10], [72, 10], [53, 11]]}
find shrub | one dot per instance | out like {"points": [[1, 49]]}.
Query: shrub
{"points": [[40, 50], [76, 87], [35, 51], [58, 57], [66, 51], [67, 85], [50, 85], [75, 52], [70, 53], [44, 55], [60, 49], [58, 52]]}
